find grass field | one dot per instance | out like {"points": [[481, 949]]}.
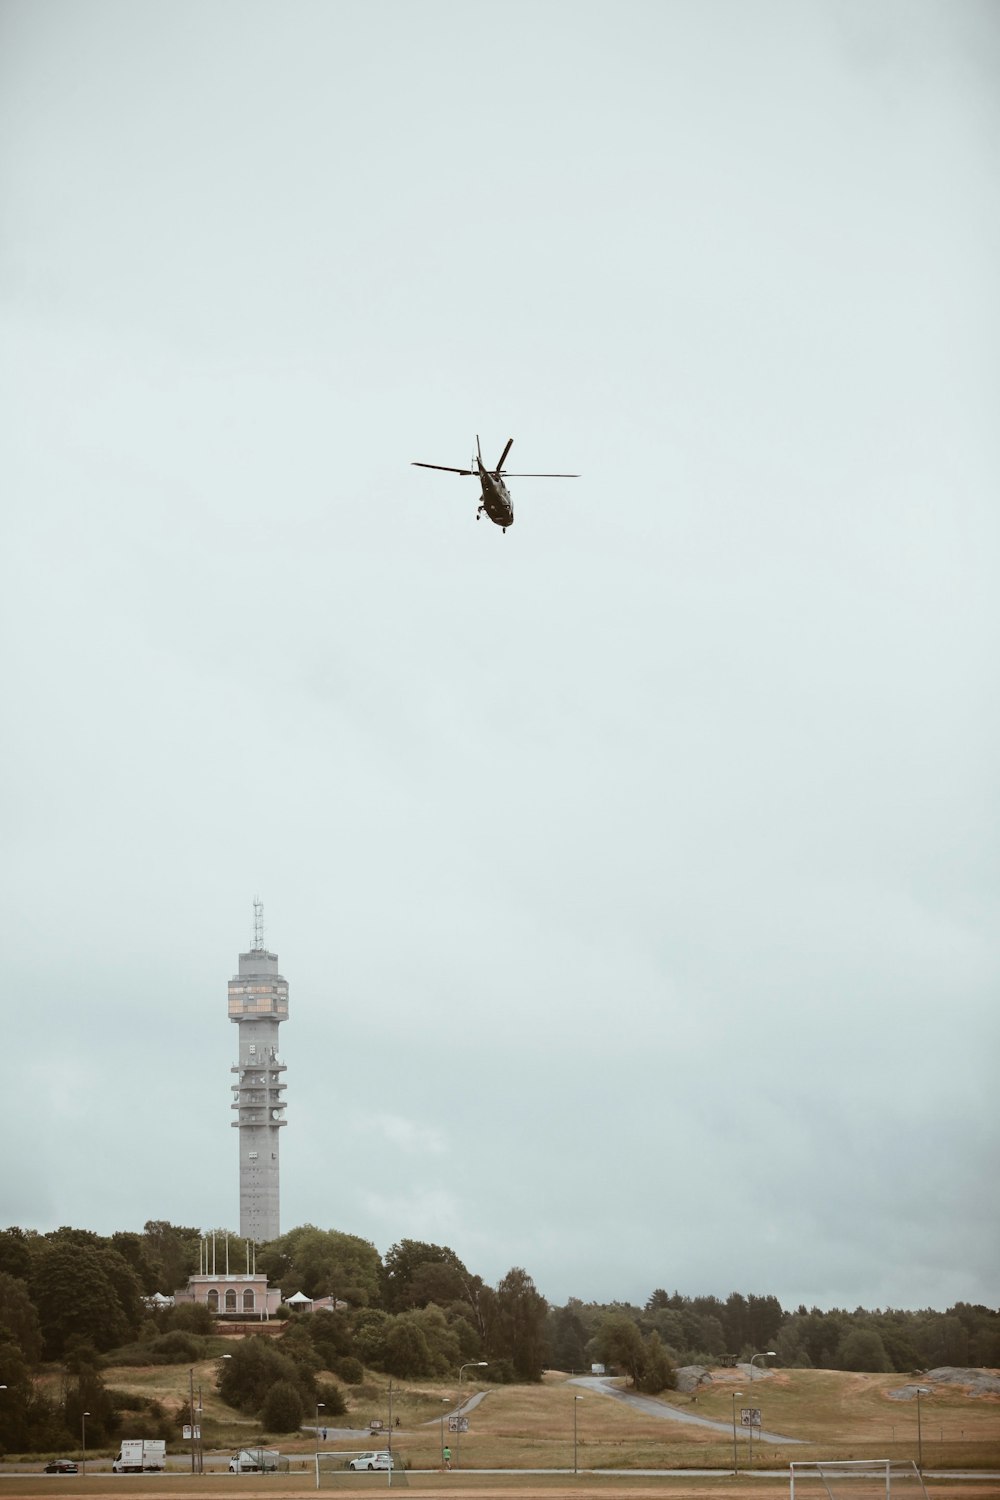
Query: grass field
{"points": [[834, 1414]]}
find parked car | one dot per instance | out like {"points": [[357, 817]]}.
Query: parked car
{"points": [[380, 1459], [60, 1466]]}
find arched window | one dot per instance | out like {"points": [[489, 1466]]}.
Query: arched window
{"points": [[248, 1299], [230, 1300], [213, 1300]]}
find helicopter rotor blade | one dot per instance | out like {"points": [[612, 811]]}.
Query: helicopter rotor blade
{"points": [[503, 456], [540, 476], [444, 468]]}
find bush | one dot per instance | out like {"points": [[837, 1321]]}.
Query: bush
{"points": [[189, 1317], [349, 1369], [282, 1409], [332, 1398], [176, 1348]]}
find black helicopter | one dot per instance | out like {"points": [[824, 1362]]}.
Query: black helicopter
{"points": [[496, 501]]}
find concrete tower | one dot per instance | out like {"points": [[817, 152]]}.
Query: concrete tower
{"points": [[258, 1003]]}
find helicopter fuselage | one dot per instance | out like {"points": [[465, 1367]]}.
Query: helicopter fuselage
{"points": [[496, 501]]}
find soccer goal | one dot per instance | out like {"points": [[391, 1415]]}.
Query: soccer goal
{"points": [[857, 1479], [333, 1471]]}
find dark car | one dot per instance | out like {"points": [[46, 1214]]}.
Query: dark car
{"points": [[60, 1466]]}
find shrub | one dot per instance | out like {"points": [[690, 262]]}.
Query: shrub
{"points": [[332, 1398], [282, 1409], [176, 1348]]}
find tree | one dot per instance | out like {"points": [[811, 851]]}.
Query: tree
{"points": [[516, 1325], [444, 1345], [18, 1318], [172, 1252], [618, 1342], [657, 1372], [282, 1409], [323, 1263], [567, 1339], [862, 1349], [370, 1327], [415, 1273], [15, 1253], [75, 1288], [254, 1366], [406, 1352]]}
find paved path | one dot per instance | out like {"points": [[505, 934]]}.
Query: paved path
{"points": [[653, 1408]]}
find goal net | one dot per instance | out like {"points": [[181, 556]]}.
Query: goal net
{"points": [[856, 1479], [333, 1471]]}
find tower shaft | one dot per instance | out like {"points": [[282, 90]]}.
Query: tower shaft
{"points": [[258, 1003]]}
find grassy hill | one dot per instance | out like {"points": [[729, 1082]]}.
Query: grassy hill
{"points": [[835, 1414]]}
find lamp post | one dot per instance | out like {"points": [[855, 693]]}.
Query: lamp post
{"points": [[477, 1364], [921, 1391], [575, 1400], [320, 1406], [83, 1439], [444, 1402], [767, 1354], [735, 1394], [191, 1413]]}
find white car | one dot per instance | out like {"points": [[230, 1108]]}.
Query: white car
{"points": [[372, 1460]]}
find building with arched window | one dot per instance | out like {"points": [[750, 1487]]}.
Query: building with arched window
{"points": [[228, 1296]]}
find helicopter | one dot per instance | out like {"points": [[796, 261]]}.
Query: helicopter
{"points": [[496, 501]]}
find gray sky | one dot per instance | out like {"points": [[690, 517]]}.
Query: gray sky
{"points": [[634, 873]]}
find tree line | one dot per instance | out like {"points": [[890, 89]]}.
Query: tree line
{"points": [[80, 1300]]}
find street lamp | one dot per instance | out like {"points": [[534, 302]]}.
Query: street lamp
{"points": [[768, 1354], [735, 1394], [575, 1400], [191, 1414], [83, 1439], [477, 1364], [320, 1406], [921, 1391]]}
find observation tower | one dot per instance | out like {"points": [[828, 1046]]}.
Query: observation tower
{"points": [[258, 1003]]}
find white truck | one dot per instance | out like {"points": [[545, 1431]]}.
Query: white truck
{"points": [[254, 1461], [140, 1456]]}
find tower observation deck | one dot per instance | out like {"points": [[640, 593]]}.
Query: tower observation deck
{"points": [[258, 1003]]}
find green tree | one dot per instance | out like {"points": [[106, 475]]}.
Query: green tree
{"points": [[254, 1366], [15, 1253], [515, 1328], [618, 1342], [282, 1409], [657, 1372], [862, 1349], [370, 1327], [172, 1253], [76, 1295], [406, 1352], [415, 1273], [567, 1339], [444, 1346], [323, 1263], [18, 1318]]}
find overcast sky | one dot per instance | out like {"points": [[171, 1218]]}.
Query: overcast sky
{"points": [[634, 872]]}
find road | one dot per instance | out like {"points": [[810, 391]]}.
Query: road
{"points": [[603, 1385]]}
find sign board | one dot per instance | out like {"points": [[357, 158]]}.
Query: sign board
{"points": [[458, 1424], [750, 1416], [375, 1425], [597, 1370], [190, 1432]]}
